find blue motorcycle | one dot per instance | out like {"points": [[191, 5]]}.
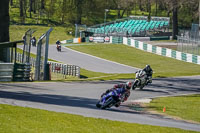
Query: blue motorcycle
{"points": [[112, 98]]}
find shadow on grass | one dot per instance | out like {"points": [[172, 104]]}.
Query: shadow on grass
{"points": [[83, 77], [160, 77]]}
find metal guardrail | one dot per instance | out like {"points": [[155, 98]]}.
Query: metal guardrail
{"points": [[6, 71], [19, 59], [64, 69], [22, 72]]}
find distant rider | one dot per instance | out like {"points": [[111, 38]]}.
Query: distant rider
{"points": [[33, 41], [149, 73], [123, 89], [58, 44]]}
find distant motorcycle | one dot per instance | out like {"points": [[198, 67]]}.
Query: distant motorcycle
{"points": [[58, 48], [140, 80], [112, 98]]}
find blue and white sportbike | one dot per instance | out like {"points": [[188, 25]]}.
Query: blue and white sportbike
{"points": [[112, 98]]}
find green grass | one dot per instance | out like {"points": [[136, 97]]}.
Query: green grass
{"points": [[17, 31], [15, 119], [185, 107], [162, 66], [89, 75]]}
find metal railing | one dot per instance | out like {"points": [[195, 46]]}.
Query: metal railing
{"points": [[6, 71], [59, 68], [64, 69]]}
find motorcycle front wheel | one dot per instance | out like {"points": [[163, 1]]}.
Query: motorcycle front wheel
{"points": [[135, 84], [108, 103], [98, 105]]}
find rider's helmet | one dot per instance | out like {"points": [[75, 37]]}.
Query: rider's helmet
{"points": [[58, 41], [128, 85], [148, 68]]}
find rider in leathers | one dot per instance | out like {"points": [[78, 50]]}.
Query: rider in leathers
{"points": [[149, 73], [123, 89], [58, 44]]}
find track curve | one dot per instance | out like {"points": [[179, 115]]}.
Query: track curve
{"points": [[80, 98], [88, 62]]}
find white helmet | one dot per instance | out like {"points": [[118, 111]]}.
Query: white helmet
{"points": [[148, 68], [128, 85]]}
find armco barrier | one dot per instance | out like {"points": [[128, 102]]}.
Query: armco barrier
{"points": [[6, 71], [22, 72], [162, 51], [65, 69], [87, 39], [117, 40], [69, 41]]}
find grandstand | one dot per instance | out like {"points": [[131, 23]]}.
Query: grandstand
{"points": [[132, 26]]}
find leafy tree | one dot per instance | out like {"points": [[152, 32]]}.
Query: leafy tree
{"points": [[123, 5], [92, 12]]}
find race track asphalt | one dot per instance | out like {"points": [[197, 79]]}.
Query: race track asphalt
{"points": [[80, 98], [88, 62]]}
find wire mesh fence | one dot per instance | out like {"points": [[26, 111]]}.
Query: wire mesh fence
{"points": [[189, 41], [188, 45]]}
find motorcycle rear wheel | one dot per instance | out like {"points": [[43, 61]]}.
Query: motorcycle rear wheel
{"points": [[141, 87]]}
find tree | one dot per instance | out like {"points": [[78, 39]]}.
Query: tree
{"points": [[123, 5], [31, 7], [50, 8], [175, 19], [156, 1], [42, 4], [4, 26], [11, 2], [63, 7], [78, 5], [174, 4], [149, 9], [21, 6]]}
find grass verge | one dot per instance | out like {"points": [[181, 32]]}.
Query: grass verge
{"points": [[162, 66], [15, 119], [184, 107]]}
